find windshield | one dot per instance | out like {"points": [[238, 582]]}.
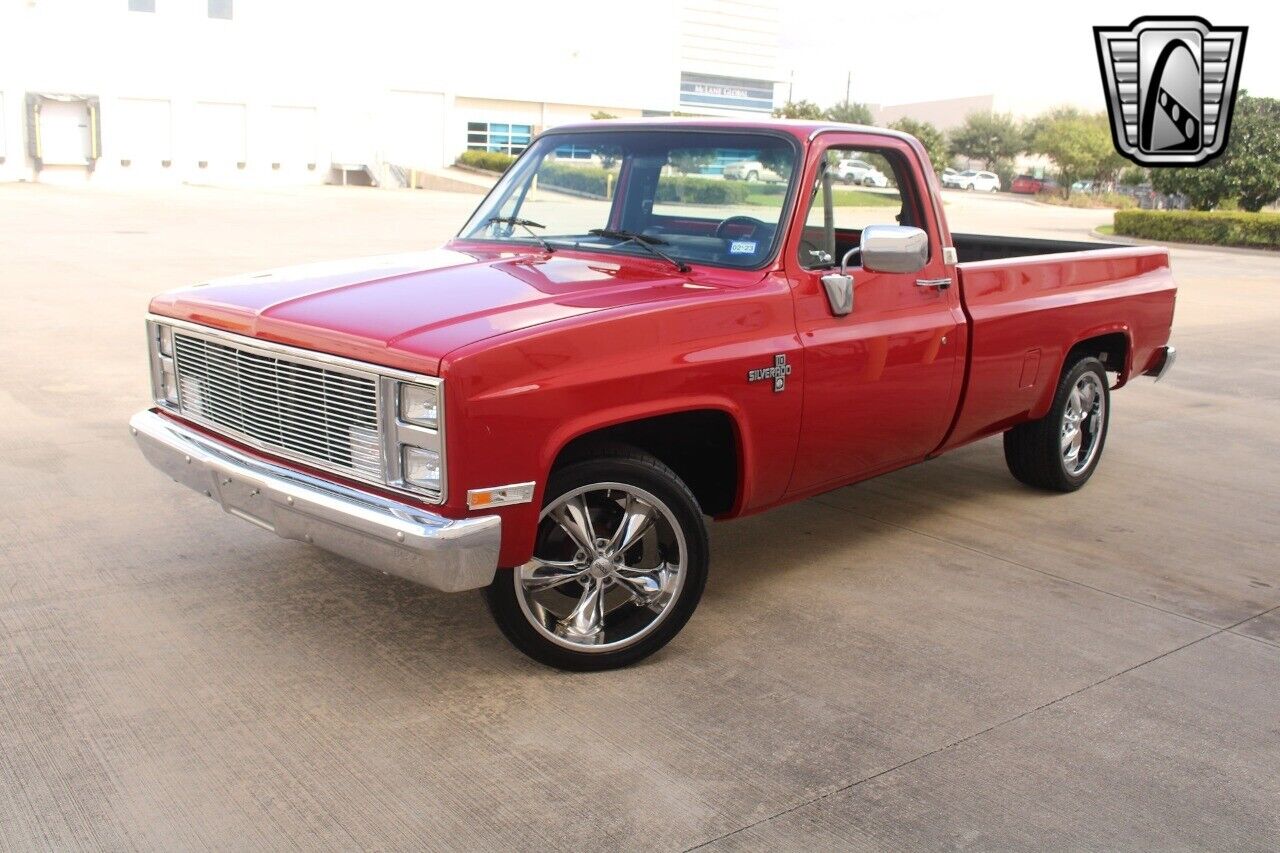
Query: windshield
{"points": [[697, 196]]}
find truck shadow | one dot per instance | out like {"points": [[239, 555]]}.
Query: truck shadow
{"points": [[835, 526], [367, 623]]}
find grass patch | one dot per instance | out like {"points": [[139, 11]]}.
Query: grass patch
{"points": [[1119, 201], [839, 198], [1109, 230]]}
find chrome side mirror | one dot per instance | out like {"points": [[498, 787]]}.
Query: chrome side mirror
{"points": [[894, 248], [839, 286]]}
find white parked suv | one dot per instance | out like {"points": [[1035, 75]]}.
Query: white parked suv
{"points": [[970, 179], [751, 171], [861, 172]]}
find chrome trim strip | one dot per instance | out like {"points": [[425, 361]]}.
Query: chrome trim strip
{"points": [[402, 539], [391, 431], [320, 359]]}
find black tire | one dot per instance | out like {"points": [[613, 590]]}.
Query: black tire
{"points": [[611, 464], [752, 177], [1033, 450]]}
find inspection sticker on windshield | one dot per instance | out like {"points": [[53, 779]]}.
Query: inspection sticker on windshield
{"points": [[742, 247]]}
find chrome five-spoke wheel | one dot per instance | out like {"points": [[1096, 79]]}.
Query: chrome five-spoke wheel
{"points": [[1060, 451], [608, 565], [618, 564], [1082, 420]]}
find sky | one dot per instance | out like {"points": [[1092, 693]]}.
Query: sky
{"points": [[1031, 55]]}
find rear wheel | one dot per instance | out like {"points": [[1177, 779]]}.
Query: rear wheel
{"points": [[1060, 451], [969, 187], [752, 177], [619, 564]]}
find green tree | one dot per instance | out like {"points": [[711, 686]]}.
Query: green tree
{"points": [[1253, 155], [1204, 186], [689, 161], [934, 141], [1078, 143], [1132, 176], [601, 115], [849, 112], [798, 109], [1249, 170], [988, 137]]}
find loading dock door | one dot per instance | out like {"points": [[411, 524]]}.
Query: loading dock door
{"points": [[142, 130], [66, 133], [292, 134], [221, 138]]}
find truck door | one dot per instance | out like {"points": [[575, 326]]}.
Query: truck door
{"points": [[881, 382]]}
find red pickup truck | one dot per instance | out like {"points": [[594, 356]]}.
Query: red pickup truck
{"points": [[619, 344]]}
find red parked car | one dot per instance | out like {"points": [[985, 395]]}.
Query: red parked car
{"points": [[1030, 185], [550, 407]]}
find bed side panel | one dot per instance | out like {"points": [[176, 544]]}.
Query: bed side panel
{"points": [[1027, 313]]}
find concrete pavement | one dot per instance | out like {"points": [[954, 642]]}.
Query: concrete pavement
{"points": [[938, 658]]}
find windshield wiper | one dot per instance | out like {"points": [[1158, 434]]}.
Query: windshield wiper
{"points": [[527, 225], [650, 243]]}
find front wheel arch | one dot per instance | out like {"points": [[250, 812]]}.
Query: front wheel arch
{"points": [[705, 447]]}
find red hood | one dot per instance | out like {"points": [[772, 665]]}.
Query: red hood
{"points": [[410, 310]]}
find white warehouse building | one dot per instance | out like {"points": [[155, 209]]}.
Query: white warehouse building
{"points": [[291, 91]]}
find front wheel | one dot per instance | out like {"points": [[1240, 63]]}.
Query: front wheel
{"points": [[620, 560], [752, 177], [1060, 451]]}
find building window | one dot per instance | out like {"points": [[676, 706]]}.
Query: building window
{"points": [[220, 9], [142, 5], [491, 136], [573, 152]]}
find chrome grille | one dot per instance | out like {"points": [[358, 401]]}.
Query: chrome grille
{"points": [[309, 411]]}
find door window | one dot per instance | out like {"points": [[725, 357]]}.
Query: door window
{"points": [[854, 188]]}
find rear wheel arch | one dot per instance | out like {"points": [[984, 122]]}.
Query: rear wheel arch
{"points": [[1113, 347]]}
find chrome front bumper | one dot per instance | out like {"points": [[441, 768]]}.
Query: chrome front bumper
{"points": [[398, 538]]}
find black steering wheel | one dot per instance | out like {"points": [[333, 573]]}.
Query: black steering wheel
{"points": [[755, 224]]}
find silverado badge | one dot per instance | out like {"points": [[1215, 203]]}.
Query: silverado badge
{"points": [[778, 373]]}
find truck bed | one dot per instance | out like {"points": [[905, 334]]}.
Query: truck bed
{"points": [[992, 247], [1030, 301]]}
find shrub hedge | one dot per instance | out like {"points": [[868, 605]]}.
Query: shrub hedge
{"points": [[490, 161], [593, 180], [692, 190], [1216, 227], [589, 180]]}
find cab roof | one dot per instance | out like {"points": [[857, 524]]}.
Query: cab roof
{"points": [[802, 129]]}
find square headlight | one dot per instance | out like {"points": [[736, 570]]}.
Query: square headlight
{"points": [[420, 405], [166, 340], [421, 468]]}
